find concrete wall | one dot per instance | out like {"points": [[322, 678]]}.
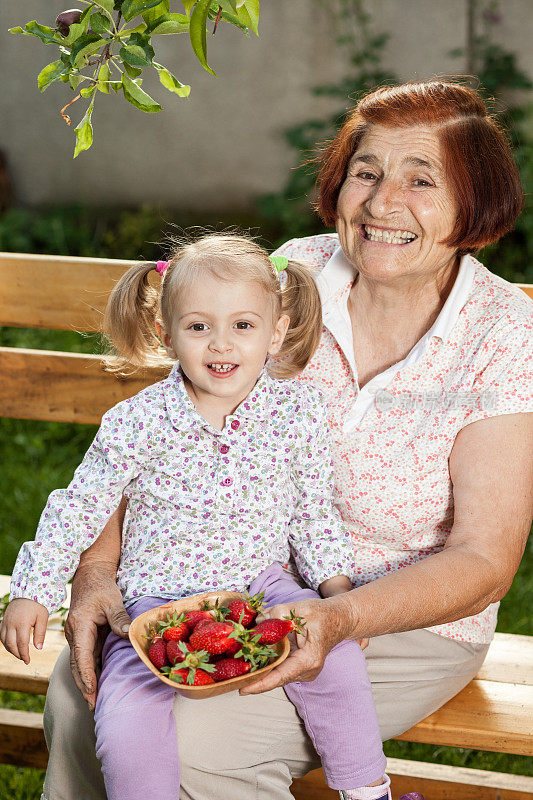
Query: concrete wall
{"points": [[223, 145]]}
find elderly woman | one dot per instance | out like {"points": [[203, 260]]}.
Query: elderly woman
{"points": [[425, 364]]}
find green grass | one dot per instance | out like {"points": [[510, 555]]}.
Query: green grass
{"points": [[43, 455]]}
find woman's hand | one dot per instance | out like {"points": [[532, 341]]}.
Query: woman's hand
{"points": [[96, 606], [327, 622]]}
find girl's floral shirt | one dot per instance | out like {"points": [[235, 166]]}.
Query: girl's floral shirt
{"points": [[391, 439], [208, 509]]}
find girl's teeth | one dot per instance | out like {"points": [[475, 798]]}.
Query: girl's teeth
{"points": [[391, 237], [221, 367]]}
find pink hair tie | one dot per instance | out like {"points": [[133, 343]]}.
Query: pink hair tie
{"points": [[162, 267]]}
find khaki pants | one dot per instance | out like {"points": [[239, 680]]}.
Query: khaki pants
{"points": [[251, 748]]}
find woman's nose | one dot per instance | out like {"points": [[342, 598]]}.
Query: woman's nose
{"points": [[384, 199]]}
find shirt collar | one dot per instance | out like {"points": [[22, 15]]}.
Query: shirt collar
{"points": [[182, 412], [338, 275]]}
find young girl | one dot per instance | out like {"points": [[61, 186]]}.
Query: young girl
{"points": [[227, 473]]}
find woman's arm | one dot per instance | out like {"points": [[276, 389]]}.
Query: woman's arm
{"points": [[96, 604], [491, 468]]}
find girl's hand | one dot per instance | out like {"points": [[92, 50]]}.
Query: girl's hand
{"points": [[21, 616], [327, 622]]}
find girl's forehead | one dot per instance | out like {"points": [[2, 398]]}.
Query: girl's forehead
{"points": [[219, 297]]}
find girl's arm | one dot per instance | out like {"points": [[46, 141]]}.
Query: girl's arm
{"points": [[491, 467], [336, 585]]}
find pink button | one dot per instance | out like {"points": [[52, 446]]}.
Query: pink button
{"points": [[224, 448], [235, 424], [227, 482]]}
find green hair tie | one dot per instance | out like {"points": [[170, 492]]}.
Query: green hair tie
{"points": [[279, 263]]}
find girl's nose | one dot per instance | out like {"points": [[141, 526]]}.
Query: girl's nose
{"points": [[385, 199], [220, 344]]}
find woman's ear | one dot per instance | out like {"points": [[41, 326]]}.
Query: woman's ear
{"points": [[165, 338], [279, 334]]}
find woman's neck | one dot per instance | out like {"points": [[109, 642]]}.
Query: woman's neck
{"points": [[388, 319]]}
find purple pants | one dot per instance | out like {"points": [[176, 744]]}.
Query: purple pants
{"points": [[136, 739]]}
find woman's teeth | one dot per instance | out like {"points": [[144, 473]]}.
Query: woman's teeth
{"points": [[221, 367], [390, 237]]}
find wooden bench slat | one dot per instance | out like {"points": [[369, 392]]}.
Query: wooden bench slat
{"points": [[61, 387], [509, 660], [59, 292], [435, 781], [22, 739], [485, 716], [64, 292]]}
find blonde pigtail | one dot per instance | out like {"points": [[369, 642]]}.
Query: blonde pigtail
{"points": [[129, 324], [301, 302]]}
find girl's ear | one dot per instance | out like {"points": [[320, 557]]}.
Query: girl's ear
{"points": [[165, 338], [279, 334]]}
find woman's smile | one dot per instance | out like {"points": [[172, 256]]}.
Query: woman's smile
{"points": [[388, 236]]}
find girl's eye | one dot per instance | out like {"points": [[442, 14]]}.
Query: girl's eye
{"points": [[243, 326], [198, 326]]}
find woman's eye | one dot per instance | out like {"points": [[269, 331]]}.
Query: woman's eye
{"points": [[367, 176], [198, 326], [243, 326], [421, 182]]}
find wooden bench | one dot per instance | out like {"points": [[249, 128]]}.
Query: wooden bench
{"points": [[494, 712]]}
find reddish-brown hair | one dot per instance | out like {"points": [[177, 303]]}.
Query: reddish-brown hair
{"points": [[477, 157]]}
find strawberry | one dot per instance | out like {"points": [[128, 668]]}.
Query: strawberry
{"points": [[215, 637], [158, 654], [174, 627], [177, 651], [193, 662], [192, 618], [228, 668], [273, 630], [258, 655], [245, 610], [198, 678]]}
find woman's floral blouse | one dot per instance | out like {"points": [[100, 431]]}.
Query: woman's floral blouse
{"points": [[208, 509], [391, 439]]}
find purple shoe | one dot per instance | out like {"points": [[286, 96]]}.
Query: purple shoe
{"points": [[412, 796]]}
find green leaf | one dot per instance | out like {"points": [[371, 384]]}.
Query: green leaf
{"points": [[230, 6], [43, 32], [88, 91], [52, 72], [115, 85], [248, 13], [100, 23], [130, 8], [64, 78], [138, 52], [108, 5], [198, 33], [169, 23], [104, 74], [75, 79], [171, 83], [188, 4], [133, 72], [85, 46], [137, 97], [235, 21], [150, 16], [84, 132]]}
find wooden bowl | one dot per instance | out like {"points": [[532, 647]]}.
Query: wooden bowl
{"points": [[139, 629]]}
